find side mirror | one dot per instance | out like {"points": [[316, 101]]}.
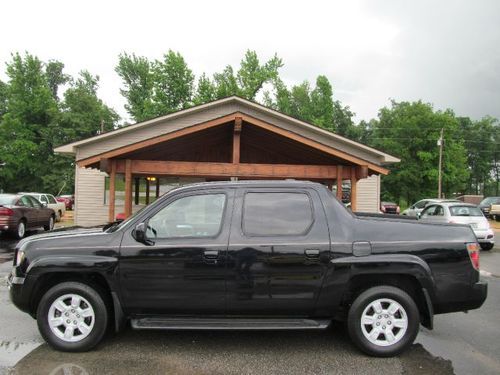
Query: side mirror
{"points": [[140, 232]]}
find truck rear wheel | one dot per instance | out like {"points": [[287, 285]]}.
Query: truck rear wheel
{"points": [[383, 321], [72, 317]]}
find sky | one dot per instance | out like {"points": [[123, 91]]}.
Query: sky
{"points": [[444, 52]]}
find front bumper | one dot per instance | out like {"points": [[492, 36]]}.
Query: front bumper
{"points": [[485, 236], [17, 291]]}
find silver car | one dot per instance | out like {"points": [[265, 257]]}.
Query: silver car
{"points": [[416, 208], [461, 213]]}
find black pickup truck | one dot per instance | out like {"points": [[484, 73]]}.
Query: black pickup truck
{"points": [[248, 255]]}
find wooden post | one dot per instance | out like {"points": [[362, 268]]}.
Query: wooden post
{"points": [[137, 182], [354, 190], [147, 191], [339, 182], [330, 185], [112, 188], [157, 187], [128, 188], [237, 140]]}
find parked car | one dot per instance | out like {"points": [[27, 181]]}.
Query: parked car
{"points": [[51, 202], [248, 255], [19, 213], [416, 208], [461, 213], [389, 208], [486, 203], [495, 211], [68, 200]]}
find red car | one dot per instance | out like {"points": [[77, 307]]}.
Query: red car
{"points": [[69, 200], [18, 213]]}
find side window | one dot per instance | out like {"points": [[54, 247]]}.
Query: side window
{"points": [[34, 201], [25, 201], [192, 216], [429, 211], [43, 199], [420, 204], [439, 211], [277, 214], [51, 199]]}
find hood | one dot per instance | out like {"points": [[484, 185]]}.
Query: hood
{"points": [[58, 233]]}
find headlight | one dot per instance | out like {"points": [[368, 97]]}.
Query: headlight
{"points": [[19, 257]]}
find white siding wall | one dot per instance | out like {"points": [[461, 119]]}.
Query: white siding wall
{"points": [[369, 194], [89, 197]]}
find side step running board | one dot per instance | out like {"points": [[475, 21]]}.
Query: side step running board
{"points": [[227, 323]]}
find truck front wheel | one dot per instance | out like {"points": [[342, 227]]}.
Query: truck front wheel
{"points": [[383, 321], [72, 317]]}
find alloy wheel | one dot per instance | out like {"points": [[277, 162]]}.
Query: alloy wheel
{"points": [[71, 317], [384, 322]]}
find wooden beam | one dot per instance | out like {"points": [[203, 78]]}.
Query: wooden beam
{"points": [[128, 185], [354, 190], [237, 140], [339, 182], [153, 141], [157, 187], [147, 191], [206, 169], [112, 189], [309, 142]]}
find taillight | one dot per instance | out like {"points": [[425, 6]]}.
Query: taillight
{"points": [[473, 250], [4, 211], [382, 209]]}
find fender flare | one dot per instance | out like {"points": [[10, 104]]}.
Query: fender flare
{"points": [[403, 264]]}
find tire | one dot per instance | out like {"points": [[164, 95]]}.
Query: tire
{"points": [[497, 217], [407, 317], [91, 313], [21, 229], [50, 224], [487, 246]]}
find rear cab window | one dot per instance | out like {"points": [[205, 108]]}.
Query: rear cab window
{"points": [[465, 211]]}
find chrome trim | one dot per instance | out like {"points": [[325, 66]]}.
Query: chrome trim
{"points": [[17, 280]]}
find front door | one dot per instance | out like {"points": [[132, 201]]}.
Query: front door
{"points": [[182, 271], [278, 252]]}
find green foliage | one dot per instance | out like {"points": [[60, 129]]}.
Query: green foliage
{"points": [[159, 87], [410, 131], [34, 122]]}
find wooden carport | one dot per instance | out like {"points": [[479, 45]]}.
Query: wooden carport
{"points": [[237, 145]]}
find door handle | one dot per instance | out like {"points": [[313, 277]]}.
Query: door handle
{"points": [[211, 254], [312, 253]]}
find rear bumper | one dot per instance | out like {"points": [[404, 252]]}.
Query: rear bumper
{"points": [[473, 298], [7, 223]]}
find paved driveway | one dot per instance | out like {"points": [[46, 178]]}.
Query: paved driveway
{"points": [[460, 343]]}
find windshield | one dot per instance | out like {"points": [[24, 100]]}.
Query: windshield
{"points": [[489, 200], [7, 199], [465, 211]]}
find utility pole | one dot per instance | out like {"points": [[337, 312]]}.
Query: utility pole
{"points": [[440, 143]]}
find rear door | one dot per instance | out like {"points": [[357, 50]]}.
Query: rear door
{"points": [[29, 211], [278, 252]]}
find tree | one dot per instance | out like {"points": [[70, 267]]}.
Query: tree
{"points": [[34, 122], [137, 76], [159, 87], [55, 77], [30, 109], [410, 131]]}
